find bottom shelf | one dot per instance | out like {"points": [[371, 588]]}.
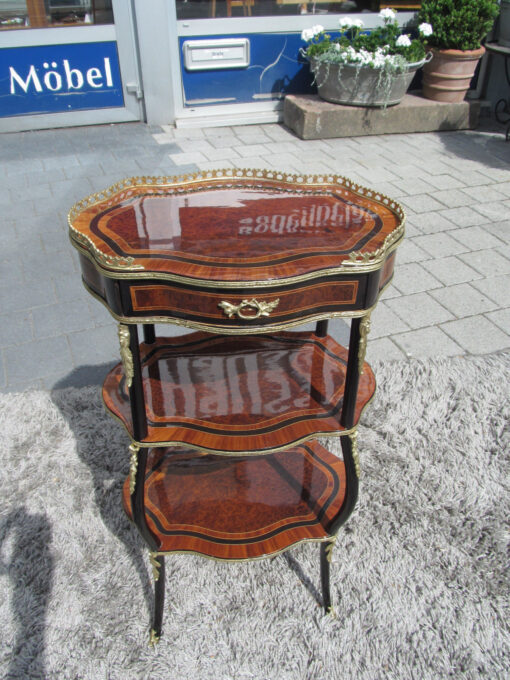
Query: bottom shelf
{"points": [[240, 508]]}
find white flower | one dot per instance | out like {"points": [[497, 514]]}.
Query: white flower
{"points": [[307, 34], [387, 14], [403, 41], [358, 23], [317, 29], [425, 29], [345, 22]]}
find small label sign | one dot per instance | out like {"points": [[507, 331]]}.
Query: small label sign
{"points": [[55, 78]]}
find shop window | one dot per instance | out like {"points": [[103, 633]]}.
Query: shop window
{"points": [[200, 9], [50, 13]]}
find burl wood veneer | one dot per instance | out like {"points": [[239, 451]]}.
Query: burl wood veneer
{"points": [[244, 507], [239, 394]]}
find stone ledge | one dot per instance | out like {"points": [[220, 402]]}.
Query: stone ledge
{"points": [[312, 118]]}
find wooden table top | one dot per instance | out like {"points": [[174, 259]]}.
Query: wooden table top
{"points": [[235, 226]]}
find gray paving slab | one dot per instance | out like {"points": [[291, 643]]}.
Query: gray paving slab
{"points": [[16, 328], [419, 310], [427, 343], [501, 318], [463, 299], [477, 335], [451, 270], [38, 359], [488, 262]]}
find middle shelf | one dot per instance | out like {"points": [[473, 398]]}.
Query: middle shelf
{"points": [[239, 394]]}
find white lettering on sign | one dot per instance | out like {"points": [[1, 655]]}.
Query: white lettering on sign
{"points": [[66, 81]]}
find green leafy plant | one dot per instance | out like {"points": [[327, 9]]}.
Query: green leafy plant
{"points": [[384, 46], [386, 50], [458, 24]]}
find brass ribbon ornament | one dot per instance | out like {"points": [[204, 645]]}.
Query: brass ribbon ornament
{"points": [[261, 308]]}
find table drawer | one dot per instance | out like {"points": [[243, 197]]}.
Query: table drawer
{"points": [[260, 307]]}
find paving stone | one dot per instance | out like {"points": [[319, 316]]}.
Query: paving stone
{"points": [[431, 222], [285, 161], [487, 262], [477, 335], [472, 178], [419, 310], [58, 319], [383, 349], [3, 376], [16, 328], [409, 251], [23, 386], [252, 150], [484, 194], [26, 295], [385, 322], [501, 174], [463, 300], [371, 175], [220, 154], [410, 170], [187, 157], [60, 161], [412, 278], [216, 165], [454, 198], [191, 145], [504, 188], [427, 343], [94, 346], [255, 163], [187, 133], [223, 141], [493, 212], [451, 270], [475, 238], [463, 217], [499, 229], [390, 189], [496, 288], [164, 138], [414, 186], [33, 360], [439, 245], [501, 318], [444, 182]]}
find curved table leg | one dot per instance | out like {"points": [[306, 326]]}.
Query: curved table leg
{"points": [[326, 551], [158, 571]]}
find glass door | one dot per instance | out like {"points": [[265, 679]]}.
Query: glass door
{"points": [[67, 62]]}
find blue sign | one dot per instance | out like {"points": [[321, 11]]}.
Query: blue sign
{"points": [[277, 68], [53, 78]]}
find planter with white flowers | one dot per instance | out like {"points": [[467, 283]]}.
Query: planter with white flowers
{"points": [[365, 69]]}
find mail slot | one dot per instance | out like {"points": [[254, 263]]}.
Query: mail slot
{"points": [[206, 55]]}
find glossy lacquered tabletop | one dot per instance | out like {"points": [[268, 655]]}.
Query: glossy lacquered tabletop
{"points": [[235, 228]]}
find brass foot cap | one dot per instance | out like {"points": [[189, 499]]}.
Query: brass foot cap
{"points": [[153, 638]]}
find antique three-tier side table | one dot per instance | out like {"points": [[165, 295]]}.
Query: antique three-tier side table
{"points": [[223, 420]]}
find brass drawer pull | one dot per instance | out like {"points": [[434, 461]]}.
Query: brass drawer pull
{"points": [[262, 308]]}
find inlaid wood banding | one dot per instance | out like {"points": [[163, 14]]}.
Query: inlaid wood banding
{"points": [[241, 508]]}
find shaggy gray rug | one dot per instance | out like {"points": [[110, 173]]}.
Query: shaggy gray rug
{"points": [[419, 574]]}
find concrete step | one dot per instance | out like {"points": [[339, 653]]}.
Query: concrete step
{"points": [[313, 118]]}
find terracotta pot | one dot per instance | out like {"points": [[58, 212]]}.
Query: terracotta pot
{"points": [[447, 77]]}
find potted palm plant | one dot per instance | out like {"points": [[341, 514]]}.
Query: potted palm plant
{"points": [[365, 69], [458, 29]]}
